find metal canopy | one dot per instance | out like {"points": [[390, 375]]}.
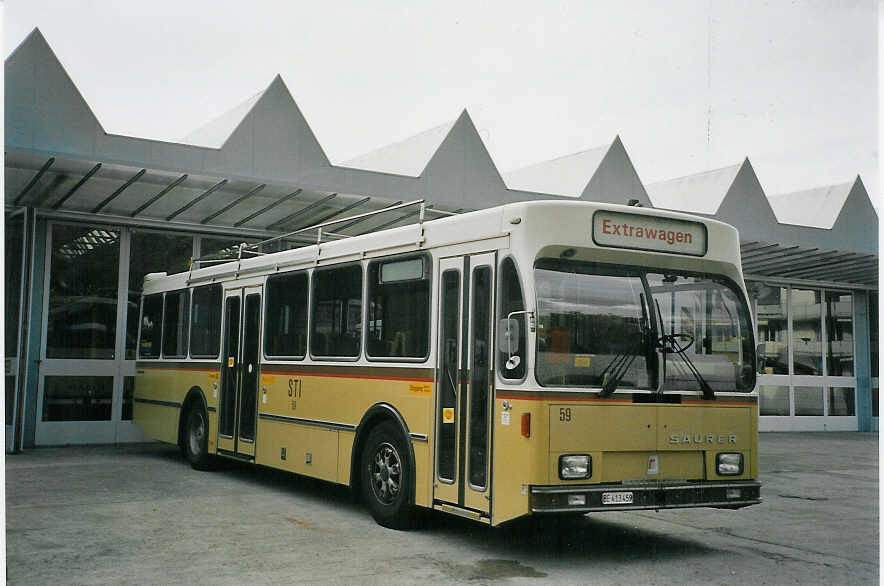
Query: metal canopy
{"points": [[108, 192], [789, 262]]}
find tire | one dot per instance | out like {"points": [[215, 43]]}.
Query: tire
{"points": [[196, 438], [386, 477]]}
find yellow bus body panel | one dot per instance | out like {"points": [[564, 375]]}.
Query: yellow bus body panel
{"points": [[158, 421], [169, 384], [314, 402], [621, 437]]}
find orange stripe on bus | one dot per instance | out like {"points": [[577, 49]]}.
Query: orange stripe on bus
{"points": [[546, 397], [360, 376], [295, 374], [714, 403], [554, 398]]}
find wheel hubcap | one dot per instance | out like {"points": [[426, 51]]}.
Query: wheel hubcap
{"points": [[386, 473], [197, 433]]}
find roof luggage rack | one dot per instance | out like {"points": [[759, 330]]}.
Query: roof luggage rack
{"points": [[254, 248]]}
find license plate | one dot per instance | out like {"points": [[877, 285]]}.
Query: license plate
{"points": [[616, 498]]}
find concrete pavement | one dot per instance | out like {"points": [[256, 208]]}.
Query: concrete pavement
{"points": [[139, 514]]}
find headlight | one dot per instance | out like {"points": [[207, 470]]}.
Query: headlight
{"points": [[729, 464], [575, 467]]}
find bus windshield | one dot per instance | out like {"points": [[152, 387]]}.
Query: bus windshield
{"points": [[597, 328]]}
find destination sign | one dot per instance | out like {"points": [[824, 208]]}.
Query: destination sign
{"points": [[640, 232]]}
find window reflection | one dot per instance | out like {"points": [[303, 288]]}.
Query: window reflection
{"points": [[841, 401], [151, 252], [13, 258], [808, 401], [128, 394], [398, 309], [10, 398], [219, 249], [707, 319], [807, 312], [774, 400], [285, 329], [511, 301], [771, 306], [873, 334], [77, 398], [82, 321], [839, 331], [592, 325], [337, 312]]}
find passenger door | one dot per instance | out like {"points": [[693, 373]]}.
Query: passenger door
{"points": [[240, 373], [464, 390]]}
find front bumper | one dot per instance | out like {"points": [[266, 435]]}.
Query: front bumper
{"points": [[656, 495]]}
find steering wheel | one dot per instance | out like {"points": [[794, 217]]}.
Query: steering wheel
{"points": [[672, 339]]}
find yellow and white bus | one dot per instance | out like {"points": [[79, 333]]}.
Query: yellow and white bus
{"points": [[538, 357]]}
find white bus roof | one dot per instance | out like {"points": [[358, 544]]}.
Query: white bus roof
{"points": [[526, 221]]}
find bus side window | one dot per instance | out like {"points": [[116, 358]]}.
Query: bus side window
{"points": [[205, 322], [151, 326], [175, 324], [511, 299], [337, 301], [398, 323], [285, 329]]}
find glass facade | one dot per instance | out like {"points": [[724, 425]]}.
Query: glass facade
{"points": [[841, 401], [128, 394], [77, 398], [773, 400], [839, 333], [95, 276], [873, 330], [808, 401], [807, 312], [873, 349], [82, 320], [773, 327], [220, 248], [13, 249], [151, 252], [809, 351], [10, 397]]}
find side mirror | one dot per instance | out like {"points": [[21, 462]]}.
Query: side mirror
{"points": [[508, 336], [760, 358]]}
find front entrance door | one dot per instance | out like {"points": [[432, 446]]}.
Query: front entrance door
{"points": [[464, 397], [237, 408]]}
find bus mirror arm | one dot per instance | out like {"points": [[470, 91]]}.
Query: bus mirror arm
{"points": [[508, 336]]}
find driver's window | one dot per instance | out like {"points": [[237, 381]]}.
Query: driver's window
{"points": [[511, 300]]}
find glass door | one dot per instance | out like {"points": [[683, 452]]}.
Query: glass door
{"points": [[81, 371], [237, 410], [14, 259], [464, 396]]}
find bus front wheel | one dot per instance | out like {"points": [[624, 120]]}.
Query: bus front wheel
{"points": [[386, 487], [196, 438]]}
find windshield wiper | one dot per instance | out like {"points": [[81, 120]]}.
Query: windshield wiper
{"points": [[669, 343], [622, 361], [619, 367], [663, 344]]}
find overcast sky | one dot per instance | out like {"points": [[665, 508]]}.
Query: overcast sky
{"points": [[688, 86]]}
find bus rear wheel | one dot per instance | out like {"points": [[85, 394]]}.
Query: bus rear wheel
{"points": [[385, 476], [196, 438]]}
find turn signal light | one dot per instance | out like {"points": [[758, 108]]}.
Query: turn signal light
{"points": [[526, 425]]}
